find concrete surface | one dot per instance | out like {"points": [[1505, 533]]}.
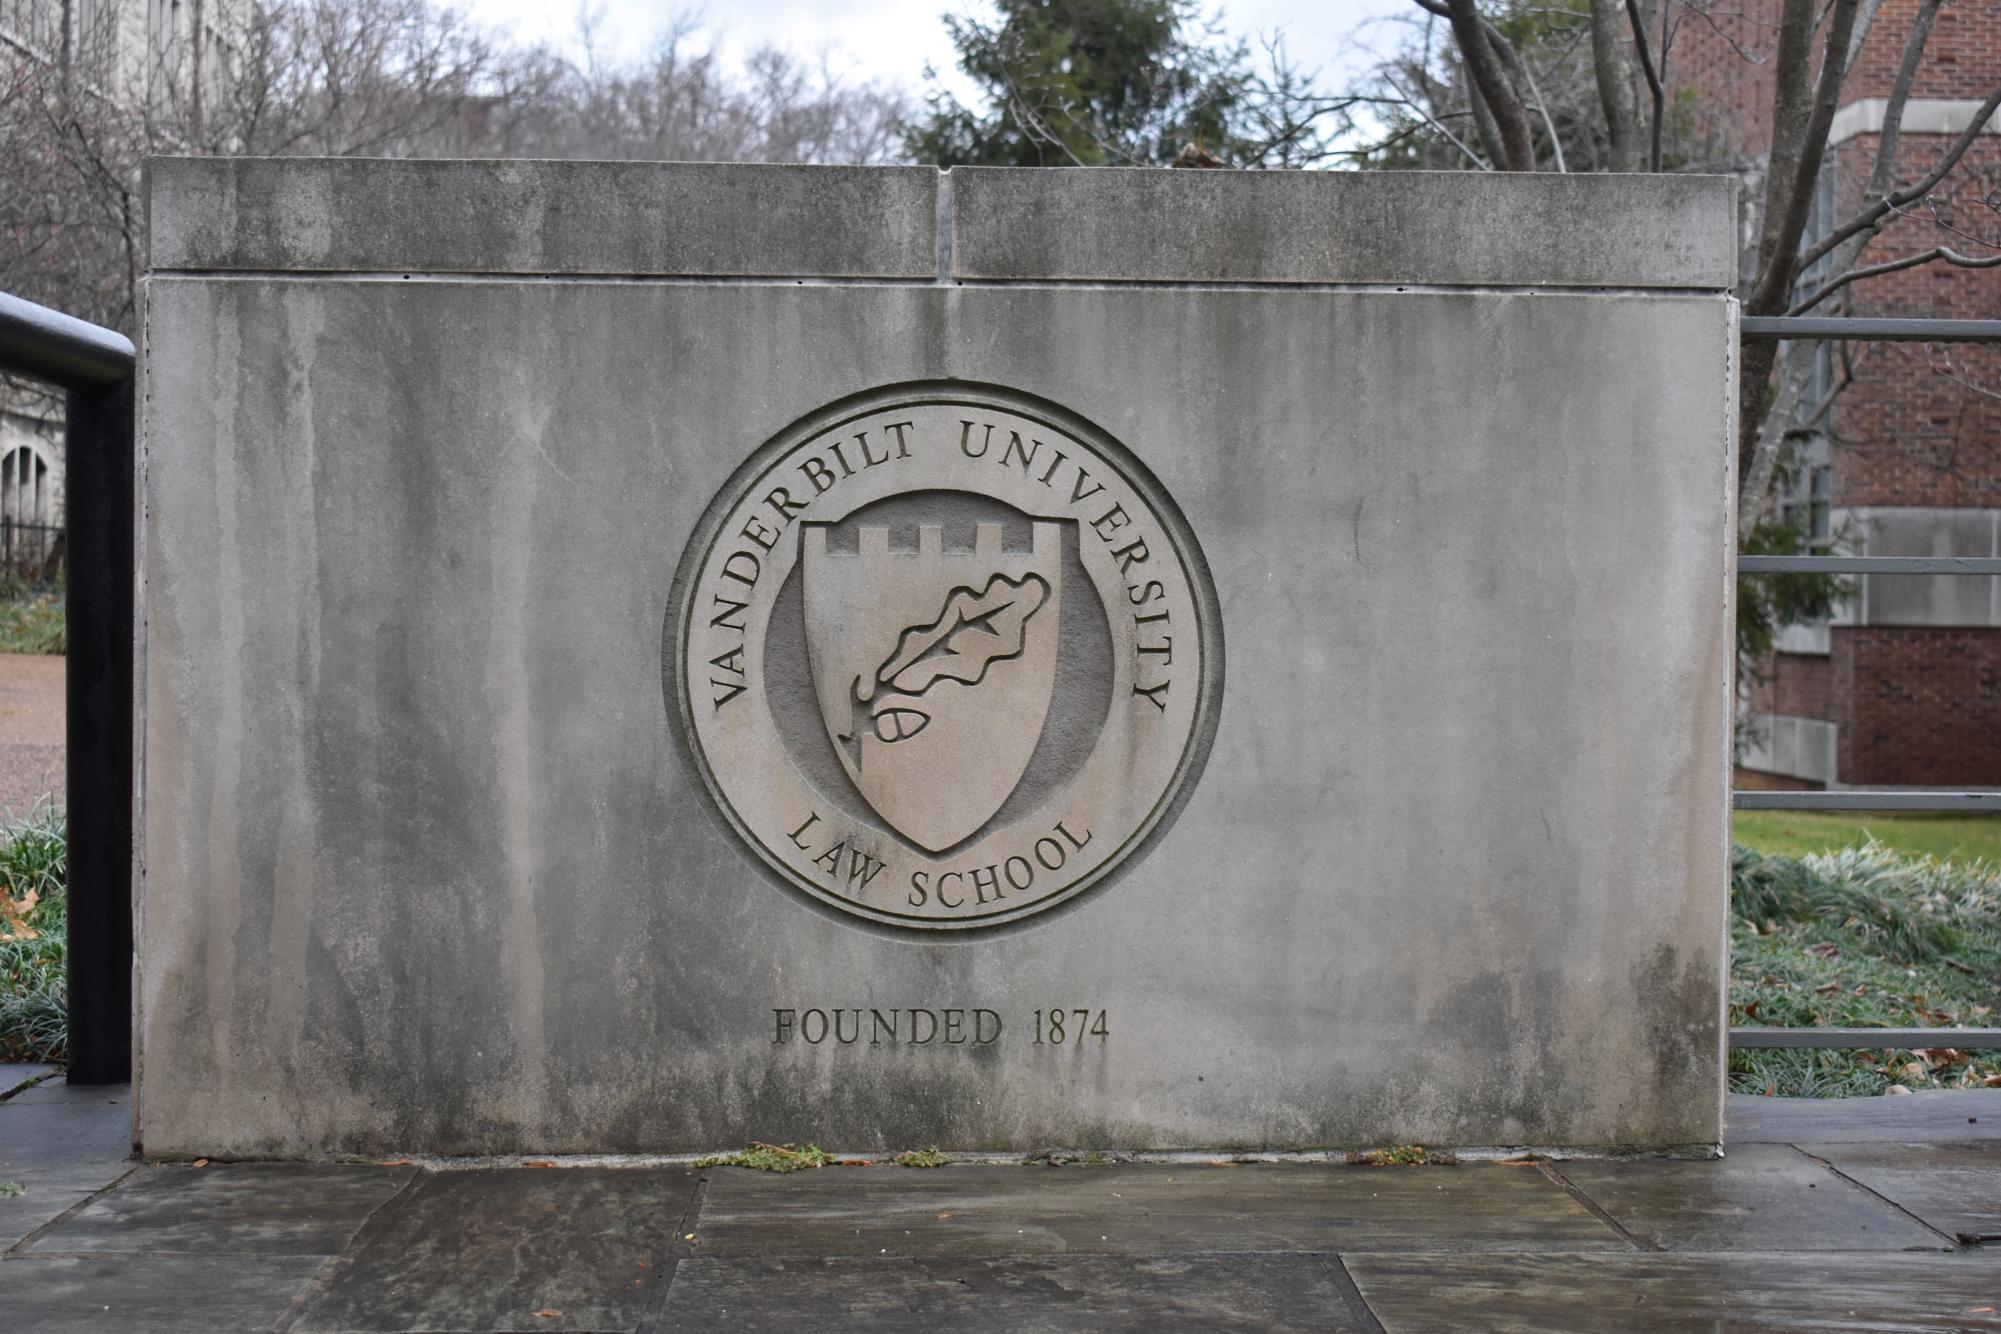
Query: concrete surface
{"points": [[1498, 229], [1825, 1233], [375, 216], [427, 865]]}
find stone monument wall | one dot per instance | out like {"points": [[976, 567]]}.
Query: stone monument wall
{"points": [[640, 658]]}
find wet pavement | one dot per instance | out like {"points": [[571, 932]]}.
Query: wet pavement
{"points": [[1878, 1214]]}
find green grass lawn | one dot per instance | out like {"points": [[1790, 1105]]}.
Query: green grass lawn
{"points": [[1797, 833], [32, 617], [1863, 938], [34, 931]]}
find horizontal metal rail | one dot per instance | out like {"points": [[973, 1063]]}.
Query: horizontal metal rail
{"points": [[1860, 799], [48, 345], [1767, 328], [1869, 565], [1853, 1039]]}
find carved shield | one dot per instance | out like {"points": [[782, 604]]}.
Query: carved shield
{"points": [[934, 669]]}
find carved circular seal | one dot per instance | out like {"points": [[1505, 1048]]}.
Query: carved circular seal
{"points": [[946, 656]]}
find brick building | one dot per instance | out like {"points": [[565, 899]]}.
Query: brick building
{"points": [[1903, 685]]}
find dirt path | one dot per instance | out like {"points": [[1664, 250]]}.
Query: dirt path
{"points": [[31, 731]]}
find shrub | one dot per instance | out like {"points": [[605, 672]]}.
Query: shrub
{"points": [[34, 921]]}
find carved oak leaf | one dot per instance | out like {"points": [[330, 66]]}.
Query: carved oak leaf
{"points": [[973, 632]]}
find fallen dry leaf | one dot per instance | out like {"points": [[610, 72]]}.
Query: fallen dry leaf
{"points": [[538, 1162], [546, 1313], [14, 916], [201, 1162]]}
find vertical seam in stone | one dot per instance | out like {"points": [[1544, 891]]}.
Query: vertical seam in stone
{"points": [[142, 419], [1351, 1295], [678, 1250], [1952, 1241], [945, 227], [323, 1278], [1550, 1173], [21, 1247], [1733, 351]]}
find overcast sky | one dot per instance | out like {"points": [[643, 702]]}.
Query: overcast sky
{"points": [[893, 40]]}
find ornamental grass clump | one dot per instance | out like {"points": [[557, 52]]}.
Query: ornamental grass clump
{"points": [[1864, 937], [34, 917]]}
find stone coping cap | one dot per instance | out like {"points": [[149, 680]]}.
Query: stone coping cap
{"points": [[321, 215], [1448, 228], [543, 217]]}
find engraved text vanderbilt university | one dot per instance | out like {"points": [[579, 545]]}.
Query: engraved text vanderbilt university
{"points": [[822, 473]]}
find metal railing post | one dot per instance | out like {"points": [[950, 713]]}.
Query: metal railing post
{"points": [[99, 735], [95, 366]]}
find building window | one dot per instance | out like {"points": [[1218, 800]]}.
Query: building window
{"points": [[1806, 501], [27, 518]]}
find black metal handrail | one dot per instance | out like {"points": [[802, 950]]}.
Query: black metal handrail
{"points": [[1801, 328], [1894, 1039], [1863, 328], [60, 349], [1869, 565], [95, 367]]}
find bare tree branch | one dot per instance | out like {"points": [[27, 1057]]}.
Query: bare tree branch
{"points": [[1874, 215], [1937, 254], [1435, 124]]}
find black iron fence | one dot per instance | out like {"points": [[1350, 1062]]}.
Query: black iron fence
{"points": [[1786, 328], [31, 551], [94, 367]]}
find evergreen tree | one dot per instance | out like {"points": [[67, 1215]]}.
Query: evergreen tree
{"points": [[1087, 83]]}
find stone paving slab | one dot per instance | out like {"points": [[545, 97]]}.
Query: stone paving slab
{"points": [[42, 1200], [1954, 1187], [487, 1250], [1761, 1197], [1768, 1237], [14, 1074], [38, 1136], [1618, 1294], [1044, 1295], [1937, 1116], [152, 1293], [960, 1211], [233, 1209], [59, 1089]]}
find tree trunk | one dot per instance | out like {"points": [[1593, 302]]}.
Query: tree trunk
{"points": [[1490, 81], [1615, 83], [1802, 112]]}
